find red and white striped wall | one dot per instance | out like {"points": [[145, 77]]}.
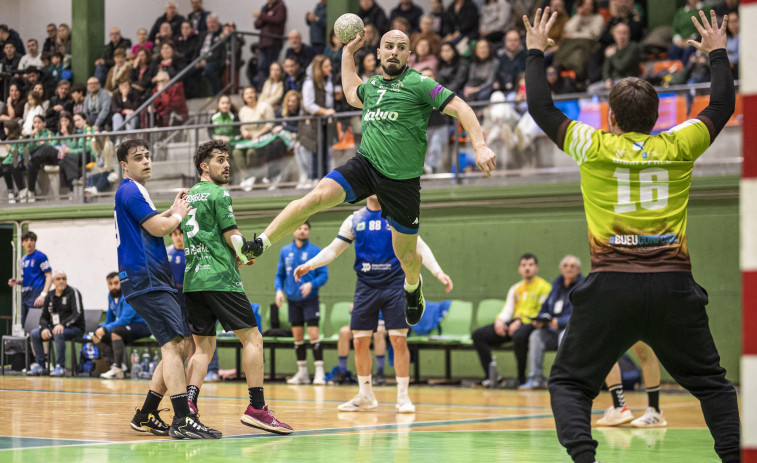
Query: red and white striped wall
{"points": [[748, 77]]}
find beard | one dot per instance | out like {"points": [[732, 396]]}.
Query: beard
{"points": [[219, 179], [392, 69], [115, 294]]}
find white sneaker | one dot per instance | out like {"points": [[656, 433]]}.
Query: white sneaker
{"points": [[22, 195], [651, 419], [247, 184], [615, 416], [320, 378], [301, 377], [113, 373], [31, 198], [11, 198], [359, 404], [404, 405]]}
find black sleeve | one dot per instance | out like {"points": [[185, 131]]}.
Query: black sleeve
{"points": [[44, 319], [74, 312], [722, 94], [539, 97]]}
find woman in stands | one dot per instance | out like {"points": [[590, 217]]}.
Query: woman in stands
{"points": [[12, 163], [39, 88], [33, 107], [226, 113], [64, 43], [40, 153], [14, 106], [291, 107], [273, 87], [422, 58], [142, 44], [334, 53], [317, 100], [451, 71], [126, 99], [482, 72], [74, 153], [367, 66], [140, 73], [245, 160], [166, 62]]}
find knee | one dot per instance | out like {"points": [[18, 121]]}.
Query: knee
{"points": [[399, 344], [36, 333], [115, 337]]}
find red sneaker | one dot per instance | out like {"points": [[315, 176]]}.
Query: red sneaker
{"points": [[264, 419]]}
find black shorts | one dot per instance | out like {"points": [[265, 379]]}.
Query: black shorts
{"points": [[129, 333], [371, 303], [230, 308], [400, 199], [163, 314], [308, 311]]}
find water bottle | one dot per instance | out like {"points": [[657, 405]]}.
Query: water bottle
{"points": [[146, 362], [135, 369], [493, 372]]}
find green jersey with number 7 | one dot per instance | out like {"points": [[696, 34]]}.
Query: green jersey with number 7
{"points": [[636, 188], [211, 263]]}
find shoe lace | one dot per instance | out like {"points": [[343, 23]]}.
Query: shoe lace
{"points": [[155, 419]]}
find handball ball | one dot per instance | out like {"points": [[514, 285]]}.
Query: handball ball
{"points": [[347, 26]]}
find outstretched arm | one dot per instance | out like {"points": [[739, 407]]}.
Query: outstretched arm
{"points": [[325, 257], [350, 80], [429, 261], [485, 158]]}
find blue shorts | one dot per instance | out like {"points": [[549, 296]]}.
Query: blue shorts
{"points": [[369, 303], [308, 311], [163, 314]]}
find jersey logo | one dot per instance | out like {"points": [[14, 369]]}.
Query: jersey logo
{"points": [[379, 115], [423, 77], [226, 193], [415, 222], [436, 91], [360, 226], [366, 267]]}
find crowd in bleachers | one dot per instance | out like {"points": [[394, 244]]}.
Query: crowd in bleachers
{"points": [[475, 48]]}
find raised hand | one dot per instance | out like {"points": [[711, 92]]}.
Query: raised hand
{"points": [[355, 44], [713, 37], [537, 37], [300, 271]]}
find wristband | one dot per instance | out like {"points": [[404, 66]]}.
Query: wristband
{"points": [[178, 217], [43, 294]]}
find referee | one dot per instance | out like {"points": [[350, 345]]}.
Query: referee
{"points": [[636, 188]]}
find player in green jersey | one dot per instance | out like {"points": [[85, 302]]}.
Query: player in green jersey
{"points": [[396, 106], [213, 287], [636, 188]]}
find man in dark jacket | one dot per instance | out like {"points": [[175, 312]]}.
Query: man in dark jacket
{"points": [[270, 20], [410, 11], [172, 17], [8, 35], [213, 62], [371, 13], [62, 319], [198, 17], [104, 63]]}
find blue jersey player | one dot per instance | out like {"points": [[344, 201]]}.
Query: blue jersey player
{"points": [[37, 276], [147, 285], [380, 287]]}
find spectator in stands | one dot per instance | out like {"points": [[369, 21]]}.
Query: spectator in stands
{"points": [[55, 67], [270, 20], [334, 52], [32, 57], [39, 88], [371, 13], [61, 101], [304, 54], [683, 30], [317, 99], [481, 74], [410, 11], [295, 75], [400, 24], [12, 165], [36, 278], [551, 322], [166, 63], [559, 84], [8, 35], [143, 42], [74, 153], [122, 327], [372, 40], [316, 21], [140, 76], [512, 61], [273, 87], [213, 62], [126, 99], [198, 17], [64, 42], [10, 61], [732, 45], [495, 16], [52, 34], [40, 153], [291, 107], [621, 11], [33, 107], [524, 299], [172, 17], [121, 70], [164, 35], [107, 60], [422, 58], [587, 23], [558, 29], [580, 39], [78, 92], [460, 21], [437, 136], [226, 113], [30, 78], [725, 7], [96, 105], [623, 59], [14, 105], [451, 71], [102, 175], [188, 45], [171, 106], [437, 16], [62, 319], [426, 25], [367, 67], [245, 160]]}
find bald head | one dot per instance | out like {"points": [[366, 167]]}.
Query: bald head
{"points": [[395, 36], [393, 52]]}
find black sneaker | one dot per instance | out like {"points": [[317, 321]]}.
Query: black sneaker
{"points": [[415, 304], [253, 249], [379, 379], [190, 427], [149, 422]]}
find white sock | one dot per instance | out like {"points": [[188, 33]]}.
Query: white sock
{"points": [[302, 366], [319, 366], [402, 385], [266, 241], [366, 388], [410, 288]]}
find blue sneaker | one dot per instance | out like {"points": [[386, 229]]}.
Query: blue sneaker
{"points": [[58, 371], [37, 370], [212, 377], [532, 384]]}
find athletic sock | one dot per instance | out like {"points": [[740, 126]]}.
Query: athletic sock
{"points": [[152, 401], [380, 362], [266, 241], [402, 385], [118, 352], [318, 366], [653, 396], [317, 349], [180, 405], [302, 366], [193, 393], [364, 382], [618, 401], [257, 400], [411, 288], [343, 364], [300, 351]]}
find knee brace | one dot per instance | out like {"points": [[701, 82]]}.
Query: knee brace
{"points": [[362, 333], [402, 333]]}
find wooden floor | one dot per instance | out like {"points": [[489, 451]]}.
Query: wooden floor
{"points": [[75, 419]]}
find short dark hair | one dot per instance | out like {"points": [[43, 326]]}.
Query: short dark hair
{"points": [[32, 40], [528, 256], [307, 222], [4, 28], [122, 152], [205, 152], [30, 235], [111, 275], [79, 87], [635, 104]]}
